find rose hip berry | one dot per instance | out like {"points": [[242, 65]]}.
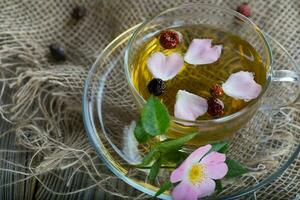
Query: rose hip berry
{"points": [[216, 90], [156, 87], [215, 107], [169, 39], [244, 9], [57, 52]]}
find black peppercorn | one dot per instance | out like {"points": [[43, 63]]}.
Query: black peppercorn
{"points": [[57, 52], [79, 12], [156, 86]]}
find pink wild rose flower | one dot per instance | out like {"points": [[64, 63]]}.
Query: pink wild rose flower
{"points": [[197, 174]]}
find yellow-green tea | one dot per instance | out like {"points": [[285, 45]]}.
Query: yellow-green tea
{"points": [[237, 55]]}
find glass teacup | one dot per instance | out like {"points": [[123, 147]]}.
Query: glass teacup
{"points": [[228, 20]]}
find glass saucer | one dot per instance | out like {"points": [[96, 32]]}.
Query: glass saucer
{"points": [[267, 145]]}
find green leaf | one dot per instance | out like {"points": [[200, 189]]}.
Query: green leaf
{"points": [[154, 170], [151, 155], [175, 157], [140, 133], [155, 117], [174, 145], [234, 168], [149, 167], [165, 147], [219, 186], [163, 188], [221, 147]]}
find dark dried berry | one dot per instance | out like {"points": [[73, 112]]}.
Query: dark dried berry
{"points": [[216, 90], [215, 107], [57, 52], [156, 87], [169, 39], [79, 12], [244, 9]]}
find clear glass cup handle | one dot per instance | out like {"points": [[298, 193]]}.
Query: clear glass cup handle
{"points": [[283, 76], [284, 88], [286, 75]]}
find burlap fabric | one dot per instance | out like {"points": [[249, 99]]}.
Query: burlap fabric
{"points": [[41, 98]]}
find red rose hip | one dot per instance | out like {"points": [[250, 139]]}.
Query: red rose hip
{"points": [[215, 107], [216, 90], [169, 39], [244, 9]]}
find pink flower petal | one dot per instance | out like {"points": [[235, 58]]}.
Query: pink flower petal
{"points": [[165, 67], [202, 52], [196, 155], [216, 171], [213, 157], [206, 188], [241, 85], [184, 191], [179, 173], [189, 106]]}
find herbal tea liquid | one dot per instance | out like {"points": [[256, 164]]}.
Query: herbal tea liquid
{"points": [[237, 55]]}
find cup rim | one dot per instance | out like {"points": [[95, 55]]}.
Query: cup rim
{"points": [[234, 13]]}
